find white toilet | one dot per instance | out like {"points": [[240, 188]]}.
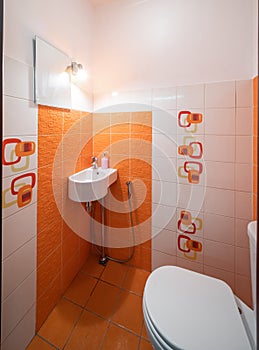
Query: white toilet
{"points": [[184, 310]]}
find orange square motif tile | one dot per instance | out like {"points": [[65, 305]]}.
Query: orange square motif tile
{"points": [[103, 299], [60, 323], [88, 333], [118, 339], [81, 289], [128, 312]]}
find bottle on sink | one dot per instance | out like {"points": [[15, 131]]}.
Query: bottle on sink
{"points": [[105, 161]]}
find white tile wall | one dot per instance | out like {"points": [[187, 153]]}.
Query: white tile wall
{"points": [[189, 97], [164, 193], [216, 118], [244, 121], [164, 241], [18, 266], [164, 98], [244, 93], [164, 122], [22, 333], [18, 79], [219, 148], [18, 304], [220, 175], [220, 95], [224, 198], [162, 259], [20, 117], [24, 229], [221, 202]]}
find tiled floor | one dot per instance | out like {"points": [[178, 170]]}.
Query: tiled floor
{"points": [[101, 310]]}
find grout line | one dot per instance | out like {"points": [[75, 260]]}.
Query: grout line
{"points": [[72, 329], [46, 341]]}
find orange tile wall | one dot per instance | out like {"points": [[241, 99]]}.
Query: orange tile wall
{"points": [[255, 146], [60, 252], [128, 139]]}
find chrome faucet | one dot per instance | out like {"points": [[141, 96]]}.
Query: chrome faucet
{"points": [[94, 163]]}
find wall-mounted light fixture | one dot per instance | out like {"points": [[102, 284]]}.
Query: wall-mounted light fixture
{"points": [[77, 71]]}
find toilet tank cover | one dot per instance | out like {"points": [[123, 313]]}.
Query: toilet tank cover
{"points": [[191, 311]]}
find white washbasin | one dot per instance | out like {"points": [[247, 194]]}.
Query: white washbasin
{"points": [[90, 184]]}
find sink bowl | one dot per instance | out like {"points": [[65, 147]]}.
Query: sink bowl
{"points": [[90, 184]]}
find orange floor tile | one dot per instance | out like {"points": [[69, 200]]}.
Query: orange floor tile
{"points": [[100, 310]]}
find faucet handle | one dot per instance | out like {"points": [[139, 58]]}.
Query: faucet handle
{"points": [[94, 159]]}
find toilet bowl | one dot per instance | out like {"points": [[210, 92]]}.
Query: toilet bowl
{"points": [[190, 311]]}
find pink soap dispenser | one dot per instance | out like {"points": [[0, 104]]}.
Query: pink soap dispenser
{"points": [[105, 161]]}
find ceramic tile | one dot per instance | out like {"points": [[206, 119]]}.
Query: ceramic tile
{"points": [[220, 95], [18, 229], [220, 175], [48, 271], [242, 261], [88, 333], [118, 338], [164, 146], [60, 323], [20, 79], [241, 238], [128, 312], [193, 256], [164, 193], [188, 164], [194, 128], [195, 224], [220, 121], [114, 273], [162, 259], [48, 300], [23, 332], [220, 202], [164, 241], [219, 148], [69, 270], [244, 149], [145, 345], [244, 177], [163, 216], [164, 98], [103, 299], [14, 109], [219, 228], [18, 266], [223, 275], [190, 96], [191, 197], [39, 344], [219, 255], [144, 333], [244, 93], [119, 145], [17, 304], [244, 205], [164, 169], [164, 122], [80, 289], [135, 280], [244, 121], [189, 265], [243, 289]]}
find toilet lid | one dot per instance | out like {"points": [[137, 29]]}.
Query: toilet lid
{"points": [[191, 311]]}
